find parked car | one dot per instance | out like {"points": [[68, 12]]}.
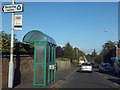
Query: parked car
{"points": [[86, 67], [92, 64], [105, 67]]}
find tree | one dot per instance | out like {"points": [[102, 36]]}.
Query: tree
{"points": [[106, 48], [59, 52], [94, 55], [68, 51], [6, 41], [75, 53], [98, 59], [89, 57]]}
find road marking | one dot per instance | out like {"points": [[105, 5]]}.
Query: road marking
{"points": [[61, 81], [105, 77], [102, 75], [116, 84], [57, 83], [99, 73], [70, 74]]}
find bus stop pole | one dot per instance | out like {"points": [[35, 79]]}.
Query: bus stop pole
{"points": [[11, 64]]}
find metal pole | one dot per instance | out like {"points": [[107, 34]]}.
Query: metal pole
{"points": [[11, 64]]}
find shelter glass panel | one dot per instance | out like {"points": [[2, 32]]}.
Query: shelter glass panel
{"points": [[40, 53], [39, 75]]}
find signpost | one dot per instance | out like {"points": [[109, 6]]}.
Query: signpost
{"points": [[16, 24], [13, 8]]}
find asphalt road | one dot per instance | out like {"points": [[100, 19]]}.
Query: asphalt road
{"points": [[86, 80]]}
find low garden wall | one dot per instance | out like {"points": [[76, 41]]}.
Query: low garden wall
{"points": [[23, 68]]}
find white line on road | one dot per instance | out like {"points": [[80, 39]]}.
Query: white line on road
{"points": [[61, 81], [116, 84], [57, 83], [99, 73]]}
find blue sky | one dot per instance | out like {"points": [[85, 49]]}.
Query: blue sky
{"points": [[80, 23]]}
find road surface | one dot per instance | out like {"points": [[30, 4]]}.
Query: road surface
{"points": [[86, 80]]}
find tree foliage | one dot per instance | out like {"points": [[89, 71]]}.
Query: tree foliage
{"points": [[72, 53], [89, 57], [68, 51], [5, 41], [106, 51], [18, 46], [105, 54]]}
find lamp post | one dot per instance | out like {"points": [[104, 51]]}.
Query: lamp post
{"points": [[11, 64], [116, 43], [116, 67], [16, 25]]}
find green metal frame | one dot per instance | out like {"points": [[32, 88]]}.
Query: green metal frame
{"points": [[51, 73], [40, 64], [48, 63], [54, 62], [46, 75]]}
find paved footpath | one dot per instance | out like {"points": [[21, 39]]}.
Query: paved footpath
{"points": [[60, 76]]}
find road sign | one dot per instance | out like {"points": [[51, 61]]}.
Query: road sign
{"points": [[13, 8], [18, 22]]}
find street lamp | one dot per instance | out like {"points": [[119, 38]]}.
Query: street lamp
{"points": [[116, 43], [116, 66], [112, 32]]}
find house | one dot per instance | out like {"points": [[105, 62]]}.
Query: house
{"points": [[82, 59], [116, 60]]}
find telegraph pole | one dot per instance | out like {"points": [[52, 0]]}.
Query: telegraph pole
{"points": [[11, 64]]}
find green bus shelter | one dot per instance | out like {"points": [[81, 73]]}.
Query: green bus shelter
{"points": [[44, 57]]}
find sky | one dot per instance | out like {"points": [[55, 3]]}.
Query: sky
{"points": [[82, 24], [62, 0]]}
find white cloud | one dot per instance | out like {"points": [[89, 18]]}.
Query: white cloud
{"points": [[61, 45]]}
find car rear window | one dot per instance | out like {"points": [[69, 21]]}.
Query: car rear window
{"points": [[106, 65]]}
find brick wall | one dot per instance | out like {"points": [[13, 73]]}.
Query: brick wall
{"points": [[23, 69]]}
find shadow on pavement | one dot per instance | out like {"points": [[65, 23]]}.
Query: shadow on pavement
{"points": [[115, 81], [111, 74], [17, 73], [115, 78], [108, 73]]}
